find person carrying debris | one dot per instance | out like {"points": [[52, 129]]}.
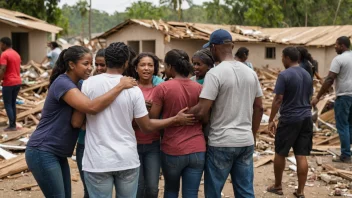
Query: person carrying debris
{"points": [[55, 138], [234, 93], [10, 63], [242, 56], [111, 156], [293, 89], [53, 55], [341, 73]]}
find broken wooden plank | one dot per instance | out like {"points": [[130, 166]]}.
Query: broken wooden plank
{"points": [[328, 116], [6, 155], [266, 138], [13, 166], [328, 139], [16, 134], [21, 115], [319, 161], [35, 87], [263, 160], [323, 147], [25, 187], [10, 147], [340, 172], [32, 117]]}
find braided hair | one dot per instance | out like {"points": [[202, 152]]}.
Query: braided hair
{"points": [[130, 71], [72, 54], [116, 55], [179, 60], [205, 56]]}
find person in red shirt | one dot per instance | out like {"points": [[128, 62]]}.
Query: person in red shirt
{"points": [[10, 62], [145, 65], [182, 147]]}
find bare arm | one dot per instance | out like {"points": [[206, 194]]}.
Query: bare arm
{"points": [[148, 125], [327, 84], [76, 99], [201, 110], [78, 119], [258, 111], [274, 109], [2, 71], [155, 111]]}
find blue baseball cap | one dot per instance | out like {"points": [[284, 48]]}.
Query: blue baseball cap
{"points": [[219, 37]]}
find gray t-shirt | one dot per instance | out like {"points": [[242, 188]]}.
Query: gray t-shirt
{"points": [[342, 66], [54, 55], [233, 87]]}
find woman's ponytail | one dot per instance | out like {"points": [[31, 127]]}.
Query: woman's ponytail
{"points": [[60, 67]]}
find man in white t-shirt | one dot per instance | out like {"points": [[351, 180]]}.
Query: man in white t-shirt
{"points": [[232, 91], [110, 156]]}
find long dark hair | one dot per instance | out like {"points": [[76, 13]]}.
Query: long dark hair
{"points": [[306, 56], [73, 54], [138, 59], [179, 60]]}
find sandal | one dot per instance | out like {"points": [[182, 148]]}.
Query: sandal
{"points": [[274, 190], [297, 195]]}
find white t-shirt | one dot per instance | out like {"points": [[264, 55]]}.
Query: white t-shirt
{"points": [[110, 142]]}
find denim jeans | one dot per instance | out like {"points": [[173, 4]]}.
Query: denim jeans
{"points": [[149, 172], [9, 95], [101, 184], [343, 117], [51, 172], [190, 167], [222, 161], [79, 155]]}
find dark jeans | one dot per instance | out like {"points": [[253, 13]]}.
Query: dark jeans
{"points": [[79, 155], [51, 172], [343, 117], [9, 95], [190, 167], [149, 172], [222, 161]]}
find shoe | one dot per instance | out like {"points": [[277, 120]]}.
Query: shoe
{"points": [[10, 129], [342, 159]]}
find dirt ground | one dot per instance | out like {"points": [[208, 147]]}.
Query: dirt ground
{"points": [[263, 177]]}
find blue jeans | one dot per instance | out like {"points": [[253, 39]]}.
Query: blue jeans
{"points": [[343, 117], [51, 172], [101, 184], [9, 95], [222, 161], [190, 167], [149, 172], [79, 155]]}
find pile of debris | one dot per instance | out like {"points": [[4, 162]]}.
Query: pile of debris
{"points": [[30, 103]]}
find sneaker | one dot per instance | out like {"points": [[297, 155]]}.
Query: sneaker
{"points": [[10, 129], [342, 159]]}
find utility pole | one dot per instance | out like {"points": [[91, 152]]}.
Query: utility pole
{"points": [[337, 10], [90, 20]]}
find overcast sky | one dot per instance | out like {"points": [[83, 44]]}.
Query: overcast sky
{"points": [[110, 6]]}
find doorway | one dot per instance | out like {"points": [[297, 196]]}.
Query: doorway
{"points": [[20, 44]]}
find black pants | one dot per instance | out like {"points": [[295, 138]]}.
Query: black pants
{"points": [[9, 95]]}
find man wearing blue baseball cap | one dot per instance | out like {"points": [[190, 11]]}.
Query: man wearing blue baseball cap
{"points": [[232, 91]]}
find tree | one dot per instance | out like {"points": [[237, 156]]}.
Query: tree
{"points": [[216, 12], [144, 10], [176, 5], [82, 7], [265, 13]]}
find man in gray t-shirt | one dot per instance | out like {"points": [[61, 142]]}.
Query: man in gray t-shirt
{"points": [[232, 91], [341, 74]]}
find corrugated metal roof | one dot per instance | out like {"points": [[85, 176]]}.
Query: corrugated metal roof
{"points": [[310, 36], [19, 19]]}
